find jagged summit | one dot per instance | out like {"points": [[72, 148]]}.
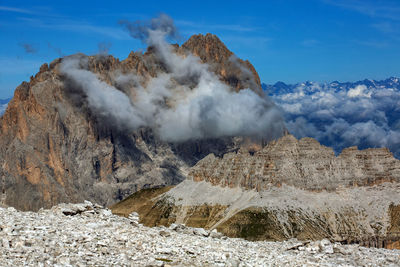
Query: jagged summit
{"points": [[209, 48]]}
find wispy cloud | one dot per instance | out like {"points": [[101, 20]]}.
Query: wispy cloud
{"points": [[104, 47], [372, 43], [111, 32], [56, 49], [310, 43], [390, 28], [77, 26], [378, 9], [246, 40], [29, 48], [385, 14], [34, 11], [16, 10], [222, 27], [387, 27], [13, 66]]}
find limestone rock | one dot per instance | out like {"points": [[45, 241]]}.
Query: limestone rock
{"points": [[301, 163], [200, 232], [50, 238], [215, 234]]}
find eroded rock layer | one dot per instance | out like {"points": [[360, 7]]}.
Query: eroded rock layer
{"points": [[301, 163]]}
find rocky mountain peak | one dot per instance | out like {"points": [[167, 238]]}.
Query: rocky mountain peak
{"points": [[238, 73], [54, 148], [209, 48]]}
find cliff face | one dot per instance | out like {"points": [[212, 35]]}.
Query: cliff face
{"points": [[54, 149], [301, 163], [288, 189]]}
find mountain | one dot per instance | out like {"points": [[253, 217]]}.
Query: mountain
{"points": [[288, 189], [280, 88], [67, 137], [184, 134]]}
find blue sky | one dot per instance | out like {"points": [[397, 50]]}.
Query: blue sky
{"points": [[290, 41]]}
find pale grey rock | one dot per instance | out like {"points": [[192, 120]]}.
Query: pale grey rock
{"points": [[215, 234], [50, 238], [177, 227], [134, 218], [200, 232], [164, 233], [5, 243], [74, 209], [232, 263]]}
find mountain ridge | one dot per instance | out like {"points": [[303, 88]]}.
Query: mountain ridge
{"points": [[282, 87]]}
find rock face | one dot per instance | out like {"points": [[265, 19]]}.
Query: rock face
{"points": [[234, 71], [300, 163], [86, 234], [288, 189], [54, 149]]}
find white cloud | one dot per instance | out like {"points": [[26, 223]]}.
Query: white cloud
{"points": [[359, 91], [372, 8], [16, 10], [360, 116], [186, 102]]}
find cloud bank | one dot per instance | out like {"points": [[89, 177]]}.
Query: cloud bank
{"points": [[184, 102], [363, 115]]}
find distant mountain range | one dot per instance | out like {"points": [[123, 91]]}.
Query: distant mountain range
{"points": [[341, 114], [309, 87]]}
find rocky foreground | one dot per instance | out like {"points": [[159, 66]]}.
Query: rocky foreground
{"points": [[87, 234]]}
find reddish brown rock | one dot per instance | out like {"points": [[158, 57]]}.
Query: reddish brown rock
{"points": [[234, 71]]}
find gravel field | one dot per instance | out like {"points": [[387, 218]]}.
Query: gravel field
{"points": [[89, 235]]}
